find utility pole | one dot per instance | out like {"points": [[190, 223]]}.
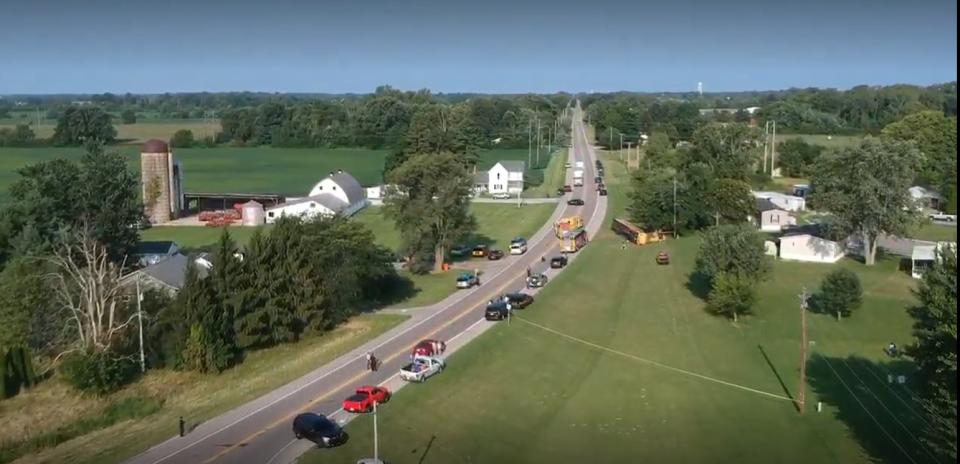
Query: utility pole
{"points": [[539, 141], [766, 141], [629, 154], [674, 206], [621, 147], [802, 397], [773, 149], [143, 363], [376, 442], [530, 141]]}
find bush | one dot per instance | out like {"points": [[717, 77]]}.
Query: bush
{"points": [[99, 373], [128, 117], [182, 138], [731, 295], [840, 293]]}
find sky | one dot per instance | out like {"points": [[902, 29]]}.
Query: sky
{"points": [[488, 46]]}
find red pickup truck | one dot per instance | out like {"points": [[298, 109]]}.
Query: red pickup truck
{"points": [[429, 348], [362, 400]]}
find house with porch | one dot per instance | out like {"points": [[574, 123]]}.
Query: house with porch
{"points": [[503, 177]]}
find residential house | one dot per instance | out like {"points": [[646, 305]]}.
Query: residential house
{"points": [[338, 194], [147, 253], [922, 257], [810, 248], [168, 275], [925, 198], [787, 202], [772, 218], [503, 177]]}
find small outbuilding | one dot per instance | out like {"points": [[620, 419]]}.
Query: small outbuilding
{"points": [[810, 248]]}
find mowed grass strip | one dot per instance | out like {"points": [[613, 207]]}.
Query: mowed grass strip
{"points": [[194, 396], [521, 394]]}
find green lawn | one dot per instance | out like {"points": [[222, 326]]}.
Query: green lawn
{"points": [[289, 171], [934, 233], [199, 237], [520, 393], [193, 396]]}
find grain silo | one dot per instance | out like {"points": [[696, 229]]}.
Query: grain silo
{"points": [[253, 214], [161, 182]]}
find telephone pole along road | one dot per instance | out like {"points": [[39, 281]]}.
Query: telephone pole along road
{"points": [[260, 431]]}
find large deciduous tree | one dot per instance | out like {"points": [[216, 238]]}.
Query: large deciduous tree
{"points": [[429, 198], [732, 249], [866, 188], [730, 149], [730, 201], [78, 126], [935, 352], [797, 158], [936, 137]]}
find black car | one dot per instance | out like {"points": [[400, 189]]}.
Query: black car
{"points": [[600, 172], [494, 255], [519, 300], [575, 202], [496, 311], [318, 429], [598, 180], [603, 192], [558, 261]]}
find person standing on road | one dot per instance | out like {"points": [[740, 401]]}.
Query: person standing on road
{"points": [[529, 273], [373, 363], [369, 360]]}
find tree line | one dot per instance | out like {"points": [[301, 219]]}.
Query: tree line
{"points": [[67, 301]]}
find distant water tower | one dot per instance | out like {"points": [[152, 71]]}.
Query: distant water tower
{"points": [[161, 179], [700, 88]]}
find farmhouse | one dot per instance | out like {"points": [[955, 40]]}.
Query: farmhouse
{"points": [[782, 200], [772, 218], [503, 177], [338, 193]]}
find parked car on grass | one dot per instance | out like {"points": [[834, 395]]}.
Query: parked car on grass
{"points": [[598, 180], [663, 258], [501, 196], [318, 429], [362, 400], [480, 251], [558, 262], [603, 192], [575, 202], [519, 300], [422, 368], [567, 188], [467, 280], [537, 280], [494, 254], [459, 251]]}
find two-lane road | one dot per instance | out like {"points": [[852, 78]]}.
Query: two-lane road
{"points": [[259, 431]]}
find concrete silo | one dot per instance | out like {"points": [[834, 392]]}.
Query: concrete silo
{"points": [[161, 182]]}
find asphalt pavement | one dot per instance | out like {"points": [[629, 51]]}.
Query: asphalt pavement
{"points": [[260, 431]]}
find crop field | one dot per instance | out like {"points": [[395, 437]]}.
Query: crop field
{"points": [[137, 133], [617, 362]]}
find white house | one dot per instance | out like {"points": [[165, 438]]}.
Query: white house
{"points": [[772, 218], [923, 257], [338, 193], [809, 248], [787, 202], [925, 198], [503, 177]]}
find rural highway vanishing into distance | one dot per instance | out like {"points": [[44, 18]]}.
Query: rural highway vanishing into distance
{"points": [[260, 431]]}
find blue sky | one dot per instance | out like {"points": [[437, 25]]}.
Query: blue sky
{"points": [[492, 46]]}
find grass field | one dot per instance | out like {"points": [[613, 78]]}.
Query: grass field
{"points": [[139, 132], [289, 171], [194, 396], [934, 233], [521, 393]]}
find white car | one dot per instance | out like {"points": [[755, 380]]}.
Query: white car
{"points": [[501, 196], [938, 216], [422, 368], [518, 246]]}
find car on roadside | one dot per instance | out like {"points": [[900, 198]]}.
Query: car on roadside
{"points": [[496, 310], [500, 196], [567, 188], [561, 191], [467, 280], [566, 165], [537, 280], [422, 368], [663, 258], [598, 180], [603, 192], [480, 251], [319, 429], [519, 300], [363, 398], [429, 348], [459, 251], [518, 246], [575, 202], [558, 262], [494, 254]]}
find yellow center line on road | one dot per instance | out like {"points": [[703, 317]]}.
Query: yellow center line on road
{"points": [[354, 379]]}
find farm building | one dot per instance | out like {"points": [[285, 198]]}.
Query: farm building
{"points": [[787, 202], [503, 177], [810, 248], [772, 218], [338, 193], [161, 179]]}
